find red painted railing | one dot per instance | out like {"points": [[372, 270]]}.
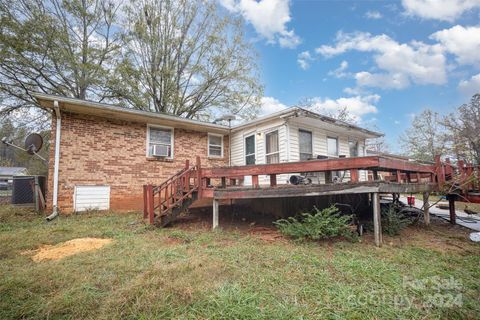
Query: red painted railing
{"points": [[171, 193]]}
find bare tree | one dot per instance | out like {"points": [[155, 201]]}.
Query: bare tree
{"points": [[63, 47], [184, 57], [426, 137], [464, 126]]}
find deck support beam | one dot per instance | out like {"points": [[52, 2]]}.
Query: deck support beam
{"points": [[426, 208], [215, 214], [377, 224], [451, 208]]}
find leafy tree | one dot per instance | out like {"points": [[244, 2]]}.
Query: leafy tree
{"points": [[464, 127], [64, 47], [186, 58], [426, 137], [342, 114]]}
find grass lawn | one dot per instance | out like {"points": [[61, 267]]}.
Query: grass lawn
{"points": [[189, 272]]}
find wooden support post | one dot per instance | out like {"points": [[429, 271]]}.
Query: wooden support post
{"points": [[255, 181], [273, 180], [354, 176], [426, 208], [199, 177], [451, 208], [145, 202], [215, 214], [419, 177], [233, 182], [151, 210], [224, 182], [409, 177], [440, 171], [377, 224], [375, 175], [399, 176]]}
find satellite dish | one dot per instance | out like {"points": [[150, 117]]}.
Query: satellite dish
{"points": [[228, 117], [33, 143]]}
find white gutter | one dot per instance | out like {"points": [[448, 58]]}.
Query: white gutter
{"points": [[56, 108]]}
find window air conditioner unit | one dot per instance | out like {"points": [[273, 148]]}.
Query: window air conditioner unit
{"points": [[160, 151]]}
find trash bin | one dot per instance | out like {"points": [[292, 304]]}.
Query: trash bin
{"points": [[411, 200]]}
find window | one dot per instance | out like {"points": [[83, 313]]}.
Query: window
{"points": [[162, 137], [271, 143], [215, 145], [250, 150], [305, 142], [332, 146], [353, 145]]}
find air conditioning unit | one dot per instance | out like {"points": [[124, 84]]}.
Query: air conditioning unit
{"points": [[160, 151]]}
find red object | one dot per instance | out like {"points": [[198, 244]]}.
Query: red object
{"points": [[411, 200]]}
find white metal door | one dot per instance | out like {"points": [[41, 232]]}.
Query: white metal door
{"points": [[91, 198]]}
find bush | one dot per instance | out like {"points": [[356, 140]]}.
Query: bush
{"points": [[319, 224], [393, 221]]}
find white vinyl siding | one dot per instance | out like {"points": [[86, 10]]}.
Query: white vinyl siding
{"points": [[289, 147], [91, 198]]}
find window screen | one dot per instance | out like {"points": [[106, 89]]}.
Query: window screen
{"points": [[332, 146], [305, 142], [272, 148], [159, 137], [215, 146]]}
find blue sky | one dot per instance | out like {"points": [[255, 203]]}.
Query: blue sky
{"points": [[382, 60]]}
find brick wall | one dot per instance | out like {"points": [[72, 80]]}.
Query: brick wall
{"points": [[98, 151]]}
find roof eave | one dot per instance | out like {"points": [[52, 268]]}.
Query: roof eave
{"points": [[91, 107]]}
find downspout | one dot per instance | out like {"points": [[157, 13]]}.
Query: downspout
{"points": [[54, 214]]}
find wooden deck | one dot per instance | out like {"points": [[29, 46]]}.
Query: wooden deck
{"points": [[195, 182], [313, 190]]}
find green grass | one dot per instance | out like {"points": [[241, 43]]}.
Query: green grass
{"points": [[150, 273]]}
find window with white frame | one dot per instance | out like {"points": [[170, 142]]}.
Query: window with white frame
{"points": [[305, 144], [332, 146], [353, 146], [272, 147], [215, 145], [160, 142]]}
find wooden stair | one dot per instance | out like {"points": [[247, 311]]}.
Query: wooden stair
{"points": [[165, 202]]}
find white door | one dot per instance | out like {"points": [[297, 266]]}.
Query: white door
{"points": [[91, 198], [250, 154]]}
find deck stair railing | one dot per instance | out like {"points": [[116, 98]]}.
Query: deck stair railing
{"points": [[163, 202]]}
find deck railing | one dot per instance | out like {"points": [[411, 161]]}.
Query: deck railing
{"points": [[172, 192]]}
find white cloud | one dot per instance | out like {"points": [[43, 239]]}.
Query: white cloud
{"points": [[340, 71], [353, 91], [271, 105], [382, 80], [400, 63], [374, 15], [471, 86], [446, 10], [357, 106], [268, 17], [303, 59], [463, 42]]}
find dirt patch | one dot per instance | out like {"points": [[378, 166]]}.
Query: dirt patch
{"points": [[67, 248], [266, 234]]}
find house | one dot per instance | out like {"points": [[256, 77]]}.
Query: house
{"points": [[101, 155], [7, 174]]}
